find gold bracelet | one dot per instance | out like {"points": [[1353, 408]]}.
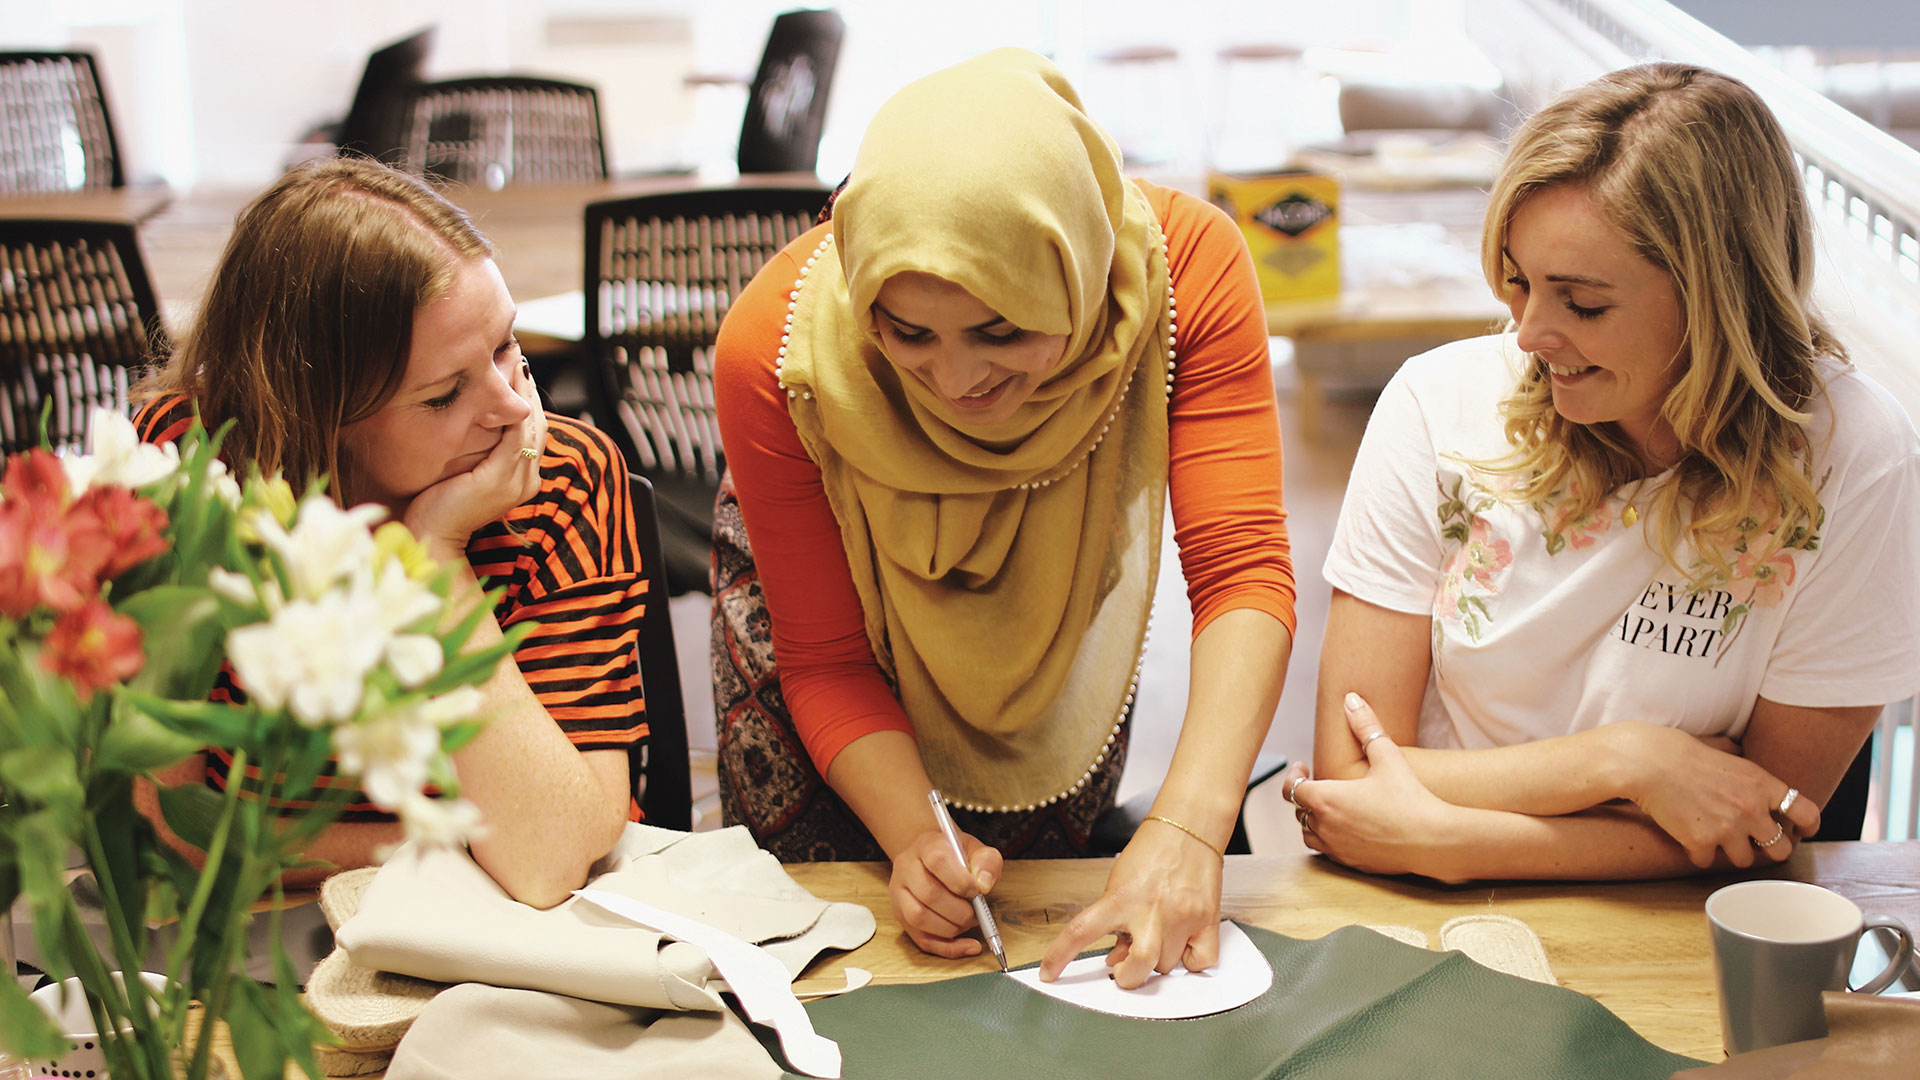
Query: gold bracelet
{"points": [[1189, 832]]}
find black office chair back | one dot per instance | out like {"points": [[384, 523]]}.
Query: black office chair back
{"points": [[662, 784], [55, 131], [496, 131], [661, 273], [1845, 815], [77, 322], [787, 104], [376, 124]]}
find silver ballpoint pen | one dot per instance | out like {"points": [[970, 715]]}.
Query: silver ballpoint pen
{"points": [[987, 927]]}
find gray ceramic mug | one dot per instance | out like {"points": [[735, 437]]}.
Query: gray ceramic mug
{"points": [[1776, 946]]}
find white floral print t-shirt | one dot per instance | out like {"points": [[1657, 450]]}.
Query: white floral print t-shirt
{"points": [[1543, 627]]}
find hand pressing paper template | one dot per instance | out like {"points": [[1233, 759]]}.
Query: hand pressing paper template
{"points": [[1242, 975]]}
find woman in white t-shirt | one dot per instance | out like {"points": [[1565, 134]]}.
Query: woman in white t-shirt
{"points": [[1630, 582]]}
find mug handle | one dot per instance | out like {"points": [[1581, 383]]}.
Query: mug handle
{"points": [[1902, 956]]}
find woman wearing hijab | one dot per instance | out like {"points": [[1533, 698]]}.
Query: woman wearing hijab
{"points": [[954, 415]]}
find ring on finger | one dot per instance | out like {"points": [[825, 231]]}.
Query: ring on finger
{"points": [[1779, 833], [1293, 785], [529, 453], [1786, 801], [1368, 741], [1306, 820]]}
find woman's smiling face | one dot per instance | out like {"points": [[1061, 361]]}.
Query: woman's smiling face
{"points": [[980, 365], [1605, 320]]}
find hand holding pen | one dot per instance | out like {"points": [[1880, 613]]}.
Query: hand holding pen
{"points": [[988, 929]]}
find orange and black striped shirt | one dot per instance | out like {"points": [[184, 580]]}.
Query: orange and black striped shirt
{"points": [[566, 560]]}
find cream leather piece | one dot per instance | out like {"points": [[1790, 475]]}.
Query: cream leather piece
{"points": [[435, 914], [475, 1031]]}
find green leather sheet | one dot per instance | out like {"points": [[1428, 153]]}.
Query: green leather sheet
{"points": [[1351, 1004]]}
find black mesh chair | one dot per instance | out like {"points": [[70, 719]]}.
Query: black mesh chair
{"points": [[376, 124], [661, 272], [661, 777], [496, 131], [787, 104], [77, 322], [55, 132]]}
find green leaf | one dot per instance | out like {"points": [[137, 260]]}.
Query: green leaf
{"points": [[30, 1031], [199, 722], [185, 621], [301, 1030], [120, 827], [258, 1043], [191, 810], [41, 847], [136, 741], [455, 736], [47, 775]]}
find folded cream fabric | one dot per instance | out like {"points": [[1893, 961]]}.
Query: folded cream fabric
{"points": [[475, 1031], [436, 915]]}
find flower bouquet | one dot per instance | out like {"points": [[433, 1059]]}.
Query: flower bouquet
{"points": [[127, 578]]}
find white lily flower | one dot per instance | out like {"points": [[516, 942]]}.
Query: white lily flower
{"points": [[402, 600], [223, 483], [119, 457], [414, 658], [391, 754], [456, 706], [441, 822], [326, 545], [238, 588], [311, 656], [80, 470]]}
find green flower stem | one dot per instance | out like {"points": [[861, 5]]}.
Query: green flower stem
{"points": [[132, 991], [203, 891]]}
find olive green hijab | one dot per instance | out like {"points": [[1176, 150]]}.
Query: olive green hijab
{"points": [[1005, 571]]}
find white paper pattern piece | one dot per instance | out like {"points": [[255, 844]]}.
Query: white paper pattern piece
{"points": [[1241, 975], [761, 982]]}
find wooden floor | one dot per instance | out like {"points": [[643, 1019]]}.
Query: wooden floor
{"points": [[1316, 479]]}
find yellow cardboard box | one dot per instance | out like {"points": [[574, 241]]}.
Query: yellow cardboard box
{"points": [[1292, 224]]}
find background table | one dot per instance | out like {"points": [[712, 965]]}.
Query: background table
{"points": [[538, 232], [1359, 338], [1639, 948]]}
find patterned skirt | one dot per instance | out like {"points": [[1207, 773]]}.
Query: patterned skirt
{"points": [[770, 785]]}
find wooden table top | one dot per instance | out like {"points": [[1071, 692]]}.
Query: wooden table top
{"points": [[1639, 948]]}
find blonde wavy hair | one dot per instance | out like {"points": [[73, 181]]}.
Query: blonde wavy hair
{"points": [[1695, 172], [308, 321]]}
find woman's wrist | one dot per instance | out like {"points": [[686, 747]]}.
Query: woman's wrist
{"points": [[1460, 833], [1623, 766]]}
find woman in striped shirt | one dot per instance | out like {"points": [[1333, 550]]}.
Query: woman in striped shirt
{"points": [[357, 328]]}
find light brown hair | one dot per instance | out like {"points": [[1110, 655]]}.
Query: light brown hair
{"points": [[308, 321], [1695, 172]]}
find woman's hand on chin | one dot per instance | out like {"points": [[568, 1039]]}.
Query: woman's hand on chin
{"points": [[447, 514], [1386, 822]]}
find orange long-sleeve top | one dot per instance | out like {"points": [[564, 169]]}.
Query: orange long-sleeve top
{"points": [[1223, 474]]}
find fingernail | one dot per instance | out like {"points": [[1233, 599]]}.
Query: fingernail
{"points": [[983, 881], [1353, 702]]}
